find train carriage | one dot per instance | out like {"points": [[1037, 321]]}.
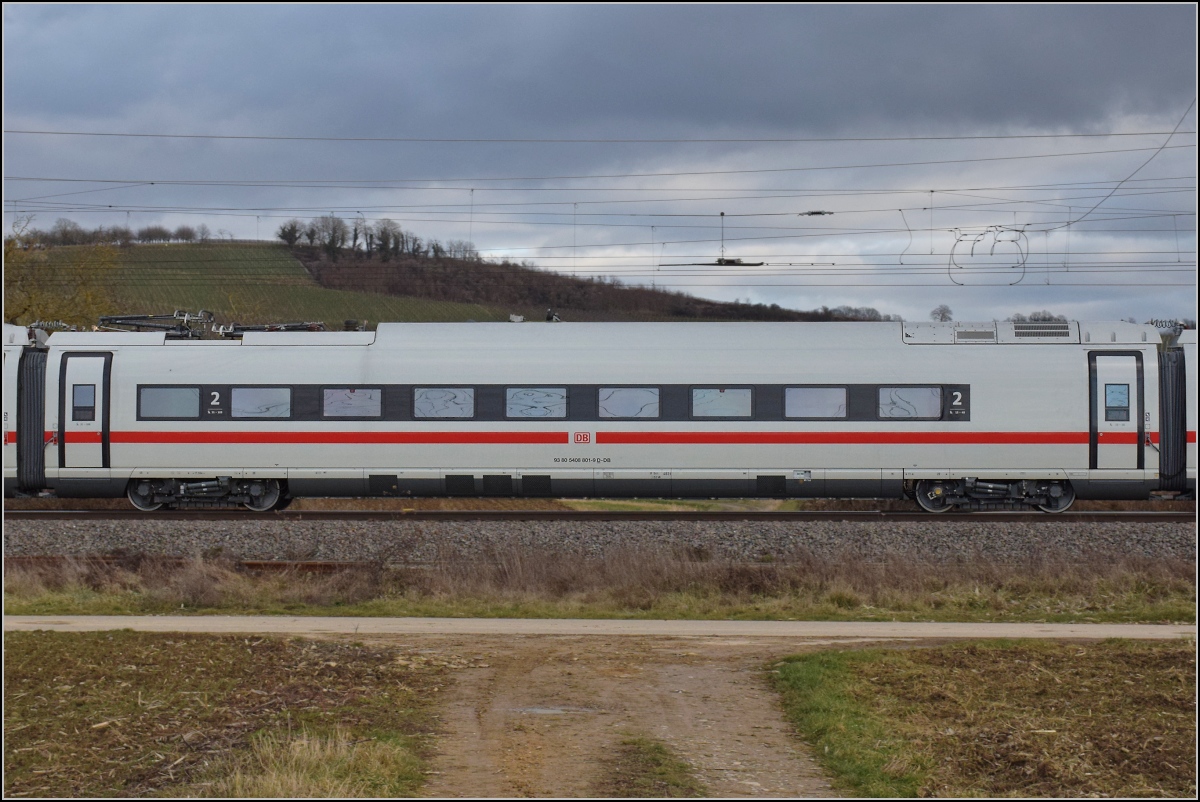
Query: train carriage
{"points": [[956, 415]]}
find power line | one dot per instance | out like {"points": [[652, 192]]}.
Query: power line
{"points": [[531, 140], [349, 183], [441, 208], [756, 171], [1142, 165]]}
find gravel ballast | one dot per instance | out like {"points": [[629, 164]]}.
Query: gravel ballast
{"points": [[424, 541]]}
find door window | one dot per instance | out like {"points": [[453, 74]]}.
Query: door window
{"points": [[83, 402], [1116, 402]]}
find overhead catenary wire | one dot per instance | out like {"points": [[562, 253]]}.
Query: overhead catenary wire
{"points": [[679, 173], [591, 140], [1140, 167]]}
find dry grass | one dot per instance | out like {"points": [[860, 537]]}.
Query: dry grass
{"points": [[1112, 719], [333, 766], [643, 583], [143, 714]]}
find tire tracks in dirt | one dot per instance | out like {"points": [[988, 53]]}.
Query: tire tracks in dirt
{"points": [[540, 716]]}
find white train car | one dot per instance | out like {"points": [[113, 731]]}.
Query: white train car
{"points": [[956, 415]]}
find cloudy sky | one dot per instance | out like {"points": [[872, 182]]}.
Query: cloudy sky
{"points": [[997, 159]]}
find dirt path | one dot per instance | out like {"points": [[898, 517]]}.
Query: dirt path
{"points": [[535, 707], [791, 630], [536, 716]]}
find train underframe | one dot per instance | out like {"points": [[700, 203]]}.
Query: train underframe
{"points": [[933, 496]]}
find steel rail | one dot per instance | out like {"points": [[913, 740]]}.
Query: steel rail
{"points": [[879, 516], [168, 561]]}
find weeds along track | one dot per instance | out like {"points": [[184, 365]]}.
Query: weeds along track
{"points": [[882, 516]]}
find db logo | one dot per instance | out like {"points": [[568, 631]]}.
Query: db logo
{"points": [[583, 437]]}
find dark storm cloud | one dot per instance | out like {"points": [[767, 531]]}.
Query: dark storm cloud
{"points": [[790, 70], [823, 70]]}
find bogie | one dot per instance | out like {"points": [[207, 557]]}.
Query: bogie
{"points": [[259, 495], [977, 494]]}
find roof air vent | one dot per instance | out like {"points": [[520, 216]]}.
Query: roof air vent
{"points": [[969, 335], [1060, 329]]}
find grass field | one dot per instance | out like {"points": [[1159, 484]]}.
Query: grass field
{"points": [[1016, 719], [254, 283], [135, 714]]}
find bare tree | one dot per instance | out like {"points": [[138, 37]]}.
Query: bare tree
{"points": [[942, 314], [185, 234], [154, 234], [461, 249], [332, 232], [1044, 316], [388, 234], [67, 232], [203, 233]]}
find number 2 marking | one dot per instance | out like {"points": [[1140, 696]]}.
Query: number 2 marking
{"points": [[957, 398], [216, 399]]}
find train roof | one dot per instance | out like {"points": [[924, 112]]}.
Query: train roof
{"points": [[647, 335], [16, 335]]}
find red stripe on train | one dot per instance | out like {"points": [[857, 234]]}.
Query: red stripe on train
{"points": [[614, 438], [80, 437], [846, 438], [344, 438]]}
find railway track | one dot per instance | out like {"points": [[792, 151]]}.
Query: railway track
{"points": [[253, 566], [237, 514]]}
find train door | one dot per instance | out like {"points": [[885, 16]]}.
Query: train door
{"points": [[83, 415], [1118, 424]]}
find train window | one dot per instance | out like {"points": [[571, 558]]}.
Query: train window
{"points": [[83, 402], [911, 403], [814, 402], [261, 402], [1116, 402], [169, 402], [443, 402], [536, 402], [350, 402], [629, 402], [721, 402]]}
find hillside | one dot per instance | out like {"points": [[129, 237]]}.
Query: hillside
{"points": [[524, 290], [238, 282], [272, 283]]}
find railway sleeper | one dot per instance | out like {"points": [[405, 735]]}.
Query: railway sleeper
{"points": [[972, 494], [259, 495]]}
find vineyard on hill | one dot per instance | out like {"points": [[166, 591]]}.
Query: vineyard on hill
{"points": [[257, 282]]}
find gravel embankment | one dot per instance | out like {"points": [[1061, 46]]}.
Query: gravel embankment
{"points": [[420, 541]]}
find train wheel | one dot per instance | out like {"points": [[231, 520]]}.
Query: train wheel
{"points": [[264, 495], [141, 496], [931, 496], [1062, 503]]}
